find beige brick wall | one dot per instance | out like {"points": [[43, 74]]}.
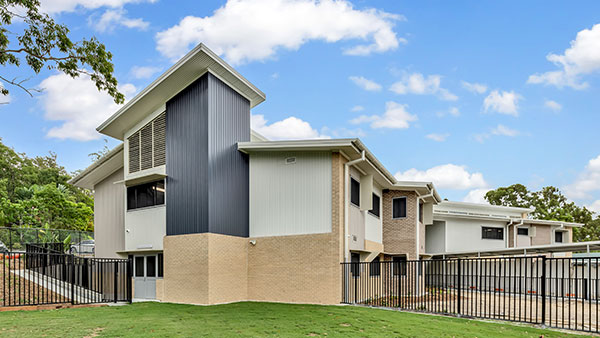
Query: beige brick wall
{"points": [[227, 269], [399, 235], [160, 289]]}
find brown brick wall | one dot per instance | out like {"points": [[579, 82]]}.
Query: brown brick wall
{"points": [[399, 235]]}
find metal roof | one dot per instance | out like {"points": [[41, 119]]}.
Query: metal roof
{"points": [[538, 249]]}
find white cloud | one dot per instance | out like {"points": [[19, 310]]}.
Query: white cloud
{"points": [[553, 105], [445, 176], [58, 6], [365, 83], [476, 196], [474, 87], [357, 108], [453, 111], [275, 76], [144, 72], [343, 132], [503, 103], [437, 137], [78, 104], [595, 206], [587, 182], [254, 30], [394, 117], [113, 18], [291, 128], [416, 83], [582, 58], [500, 130]]}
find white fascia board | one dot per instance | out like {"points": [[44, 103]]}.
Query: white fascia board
{"points": [[482, 206], [546, 248], [100, 169], [546, 222]]}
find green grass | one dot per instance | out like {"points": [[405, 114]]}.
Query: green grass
{"points": [[248, 320]]}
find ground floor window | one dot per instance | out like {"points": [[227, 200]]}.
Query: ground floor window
{"points": [[558, 237], [375, 267], [399, 267], [355, 266]]}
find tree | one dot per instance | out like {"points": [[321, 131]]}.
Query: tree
{"points": [[44, 44], [548, 204]]}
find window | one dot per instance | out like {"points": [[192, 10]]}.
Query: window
{"points": [[355, 192], [523, 231], [558, 237], [355, 267], [399, 266], [150, 266], [146, 195], [399, 207], [147, 146], [492, 233], [139, 266], [421, 212], [375, 267], [160, 265], [376, 208]]}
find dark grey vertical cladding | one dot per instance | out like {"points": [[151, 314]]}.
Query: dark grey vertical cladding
{"points": [[229, 123], [187, 166]]}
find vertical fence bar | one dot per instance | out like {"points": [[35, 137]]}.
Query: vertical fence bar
{"points": [[543, 290], [116, 268], [459, 287]]}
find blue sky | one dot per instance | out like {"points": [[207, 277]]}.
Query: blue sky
{"points": [[470, 94]]}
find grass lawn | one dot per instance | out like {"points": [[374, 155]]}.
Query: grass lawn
{"points": [[248, 320]]}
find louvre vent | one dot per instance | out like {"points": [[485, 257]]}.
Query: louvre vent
{"points": [[134, 152], [290, 160], [160, 124], [147, 146]]}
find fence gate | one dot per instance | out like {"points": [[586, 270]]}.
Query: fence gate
{"points": [[41, 277], [556, 292]]}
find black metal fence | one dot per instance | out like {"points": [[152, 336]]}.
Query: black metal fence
{"points": [[555, 292], [16, 238], [38, 278]]}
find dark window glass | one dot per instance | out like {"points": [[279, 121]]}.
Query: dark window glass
{"points": [[523, 231], [399, 207], [160, 265], [355, 268], [558, 237], [374, 267], [146, 195], [139, 266], [376, 208], [399, 266], [421, 212], [150, 266], [492, 233], [355, 192]]}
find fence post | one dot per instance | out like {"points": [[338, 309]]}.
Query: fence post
{"points": [[128, 282], [73, 279], [458, 286], [116, 281], [543, 290]]}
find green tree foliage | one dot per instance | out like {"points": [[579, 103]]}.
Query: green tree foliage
{"points": [[549, 204], [45, 44], [34, 193]]}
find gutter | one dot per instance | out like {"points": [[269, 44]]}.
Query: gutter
{"points": [[347, 166]]}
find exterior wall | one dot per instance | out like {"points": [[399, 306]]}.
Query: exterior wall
{"points": [[399, 235], [436, 237], [109, 219], [362, 225], [160, 289], [465, 235], [145, 228], [187, 165], [290, 199], [302, 268], [210, 268], [229, 123], [207, 180], [373, 226], [543, 235]]}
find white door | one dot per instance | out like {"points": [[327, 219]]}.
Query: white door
{"points": [[144, 277]]}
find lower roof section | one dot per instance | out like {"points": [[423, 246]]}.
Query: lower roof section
{"points": [[538, 249]]}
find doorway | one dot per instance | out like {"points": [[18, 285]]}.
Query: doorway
{"points": [[145, 273]]}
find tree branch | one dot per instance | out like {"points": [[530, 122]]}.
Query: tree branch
{"points": [[19, 84]]}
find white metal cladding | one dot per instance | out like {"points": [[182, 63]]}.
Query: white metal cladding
{"points": [[109, 216], [147, 145], [373, 224], [290, 199]]}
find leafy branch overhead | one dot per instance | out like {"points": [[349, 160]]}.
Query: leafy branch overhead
{"points": [[45, 44]]}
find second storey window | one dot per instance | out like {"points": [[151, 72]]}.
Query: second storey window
{"points": [[355, 192], [146, 195], [399, 207], [558, 237], [147, 146], [492, 233], [523, 231], [376, 208]]}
